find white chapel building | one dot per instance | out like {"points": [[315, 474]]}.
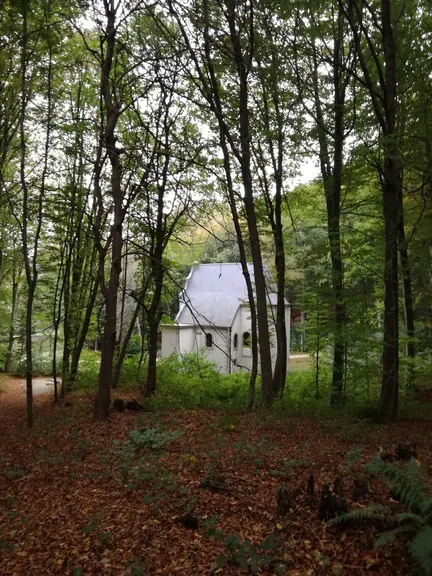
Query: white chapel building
{"points": [[214, 317]]}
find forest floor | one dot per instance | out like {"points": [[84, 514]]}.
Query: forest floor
{"points": [[80, 497]]}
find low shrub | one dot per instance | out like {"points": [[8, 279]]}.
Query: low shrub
{"points": [[190, 381]]}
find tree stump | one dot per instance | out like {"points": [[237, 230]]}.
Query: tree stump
{"points": [[361, 487], [284, 501], [134, 406], [118, 405], [406, 450], [332, 505], [310, 490]]}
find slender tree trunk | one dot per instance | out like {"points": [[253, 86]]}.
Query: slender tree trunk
{"points": [[110, 292], [29, 352], [281, 329], [337, 278], [14, 303], [119, 345], [259, 278], [81, 337], [103, 396], [123, 346], [245, 271], [318, 350], [31, 279], [57, 303], [331, 173], [407, 294], [154, 311], [152, 355], [390, 183]]}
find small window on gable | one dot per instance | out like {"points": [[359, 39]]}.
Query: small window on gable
{"points": [[246, 340], [209, 340], [235, 342]]}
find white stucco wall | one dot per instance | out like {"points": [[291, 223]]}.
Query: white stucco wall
{"points": [[219, 352], [242, 324], [185, 339], [169, 341]]}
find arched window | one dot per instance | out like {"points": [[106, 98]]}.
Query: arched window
{"points": [[246, 340], [235, 342], [209, 340]]}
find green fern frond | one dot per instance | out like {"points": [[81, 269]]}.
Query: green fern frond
{"points": [[408, 483], [390, 535], [421, 549], [414, 519], [372, 512], [427, 507]]}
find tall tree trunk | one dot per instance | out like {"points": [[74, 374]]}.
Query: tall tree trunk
{"points": [[281, 329], [31, 278], [331, 173], [388, 402], [410, 350], [79, 345], [154, 311], [245, 270], [123, 346], [245, 163], [333, 210], [14, 304], [110, 291], [152, 355], [119, 345], [390, 183]]}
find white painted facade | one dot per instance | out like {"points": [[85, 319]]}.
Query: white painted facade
{"points": [[220, 331]]}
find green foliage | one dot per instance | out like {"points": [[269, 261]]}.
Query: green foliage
{"points": [[92, 523], [189, 381], [372, 512], [153, 438], [246, 555], [353, 456], [15, 472], [407, 485]]}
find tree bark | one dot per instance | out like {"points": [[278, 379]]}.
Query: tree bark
{"points": [[110, 291], [245, 270], [410, 349], [123, 346], [331, 173], [14, 303], [245, 164], [390, 183]]}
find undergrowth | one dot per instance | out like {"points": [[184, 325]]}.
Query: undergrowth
{"points": [[408, 486], [191, 382]]}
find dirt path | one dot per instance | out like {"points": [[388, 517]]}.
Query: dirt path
{"points": [[13, 399], [16, 387]]}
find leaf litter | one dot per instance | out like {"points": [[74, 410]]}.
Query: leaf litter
{"points": [[184, 492]]}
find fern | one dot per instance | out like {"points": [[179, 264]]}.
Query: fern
{"points": [[372, 512], [391, 535], [421, 549], [409, 486]]}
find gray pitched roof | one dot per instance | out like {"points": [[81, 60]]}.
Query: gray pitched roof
{"points": [[213, 293]]}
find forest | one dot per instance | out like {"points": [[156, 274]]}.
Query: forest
{"points": [[140, 139]]}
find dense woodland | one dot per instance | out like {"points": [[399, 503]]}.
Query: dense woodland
{"points": [[138, 138]]}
